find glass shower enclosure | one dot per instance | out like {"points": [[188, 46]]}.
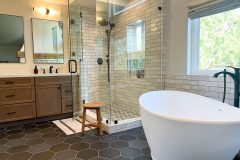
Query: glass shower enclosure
{"points": [[109, 44]]}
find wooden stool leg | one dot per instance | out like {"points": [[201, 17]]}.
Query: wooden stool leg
{"points": [[83, 120], [99, 119]]}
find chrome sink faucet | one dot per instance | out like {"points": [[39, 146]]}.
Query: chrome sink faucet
{"points": [[50, 69], [236, 79]]}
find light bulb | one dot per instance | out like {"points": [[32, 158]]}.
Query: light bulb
{"points": [[46, 11], [43, 11]]}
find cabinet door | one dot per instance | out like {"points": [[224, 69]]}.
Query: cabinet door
{"points": [[48, 99]]}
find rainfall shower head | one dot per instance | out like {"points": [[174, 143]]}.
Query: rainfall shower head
{"points": [[103, 22]]}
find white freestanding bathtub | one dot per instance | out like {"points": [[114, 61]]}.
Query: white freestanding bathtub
{"points": [[185, 126]]}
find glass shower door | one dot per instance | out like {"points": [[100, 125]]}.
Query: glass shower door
{"points": [[103, 60], [76, 56]]}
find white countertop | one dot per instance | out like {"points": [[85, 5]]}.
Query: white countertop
{"points": [[35, 75]]}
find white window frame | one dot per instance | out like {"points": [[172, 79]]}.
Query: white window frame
{"points": [[194, 49]]}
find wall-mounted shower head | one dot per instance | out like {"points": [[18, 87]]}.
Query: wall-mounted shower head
{"points": [[112, 25]]}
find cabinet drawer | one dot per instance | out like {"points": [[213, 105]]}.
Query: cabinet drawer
{"points": [[17, 112], [52, 80], [17, 95], [67, 106], [66, 90], [13, 82]]}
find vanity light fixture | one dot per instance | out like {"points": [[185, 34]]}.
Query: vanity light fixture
{"points": [[45, 11]]}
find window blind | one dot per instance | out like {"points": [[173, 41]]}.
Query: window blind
{"points": [[213, 7]]}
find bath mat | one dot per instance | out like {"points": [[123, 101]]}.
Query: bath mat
{"points": [[71, 126]]}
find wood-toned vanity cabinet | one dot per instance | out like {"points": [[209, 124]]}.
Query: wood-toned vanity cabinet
{"points": [[53, 95], [29, 97], [17, 99]]}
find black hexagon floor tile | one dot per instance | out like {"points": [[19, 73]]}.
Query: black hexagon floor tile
{"points": [[92, 139], [121, 158], [109, 138], [73, 140], [43, 141], [135, 131], [20, 156], [4, 156], [39, 148], [141, 137], [59, 147], [119, 144], [109, 153], [99, 145], [79, 146], [16, 142], [87, 154], [18, 149], [98, 158], [54, 140], [15, 136], [35, 141], [130, 152], [3, 141], [64, 155], [4, 148], [143, 157], [146, 151], [47, 155], [138, 144], [31, 131], [127, 137]]}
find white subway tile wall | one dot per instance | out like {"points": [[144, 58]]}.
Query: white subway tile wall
{"points": [[124, 90], [202, 85]]}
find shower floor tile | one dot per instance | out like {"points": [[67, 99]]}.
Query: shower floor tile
{"points": [[120, 112]]}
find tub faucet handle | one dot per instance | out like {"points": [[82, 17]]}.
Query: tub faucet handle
{"points": [[235, 68]]}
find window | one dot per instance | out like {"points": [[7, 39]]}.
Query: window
{"points": [[215, 41], [136, 49]]}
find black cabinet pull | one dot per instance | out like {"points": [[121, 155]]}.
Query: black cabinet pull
{"points": [[11, 113], [68, 91], [10, 82], [10, 96], [70, 67]]}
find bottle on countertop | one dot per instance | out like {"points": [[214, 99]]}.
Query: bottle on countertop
{"points": [[36, 70]]}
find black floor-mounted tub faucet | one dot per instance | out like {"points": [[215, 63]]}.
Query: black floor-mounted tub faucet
{"points": [[235, 77]]}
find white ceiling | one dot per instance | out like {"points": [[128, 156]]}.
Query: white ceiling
{"points": [[192, 3], [62, 2], [92, 3]]}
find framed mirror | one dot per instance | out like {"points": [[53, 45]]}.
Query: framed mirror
{"points": [[47, 41], [12, 39]]}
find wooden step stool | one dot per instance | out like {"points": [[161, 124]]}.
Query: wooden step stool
{"points": [[97, 107]]}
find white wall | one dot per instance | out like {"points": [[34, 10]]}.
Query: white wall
{"points": [[24, 8], [177, 37]]}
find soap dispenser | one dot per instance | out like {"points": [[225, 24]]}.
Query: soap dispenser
{"points": [[36, 70]]}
